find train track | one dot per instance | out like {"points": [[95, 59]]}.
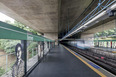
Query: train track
{"points": [[104, 61]]}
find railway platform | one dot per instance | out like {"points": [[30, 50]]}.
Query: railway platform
{"points": [[63, 62]]}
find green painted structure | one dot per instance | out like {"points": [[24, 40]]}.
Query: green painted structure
{"points": [[8, 31]]}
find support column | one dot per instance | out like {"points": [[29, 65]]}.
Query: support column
{"points": [[24, 45], [52, 36]]}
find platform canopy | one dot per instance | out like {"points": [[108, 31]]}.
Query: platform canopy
{"points": [[8, 31]]}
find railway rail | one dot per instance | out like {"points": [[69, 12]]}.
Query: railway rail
{"points": [[105, 59]]}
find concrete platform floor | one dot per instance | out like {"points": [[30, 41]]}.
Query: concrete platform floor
{"points": [[61, 63]]}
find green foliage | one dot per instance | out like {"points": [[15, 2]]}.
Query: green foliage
{"points": [[31, 46], [8, 45], [20, 25], [2, 71], [105, 33]]}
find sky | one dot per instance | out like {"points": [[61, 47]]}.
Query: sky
{"points": [[4, 17]]}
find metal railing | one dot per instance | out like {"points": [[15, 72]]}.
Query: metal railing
{"points": [[7, 64]]}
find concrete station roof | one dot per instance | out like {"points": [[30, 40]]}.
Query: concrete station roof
{"points": [[48, 16], [70, 11], [41, 15]]}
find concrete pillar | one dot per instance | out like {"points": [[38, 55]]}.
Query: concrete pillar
{"points": [[52, 36], [87, 36]]}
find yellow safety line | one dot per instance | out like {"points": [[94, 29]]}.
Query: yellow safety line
{"points": [[98, 72], [113, 51]]}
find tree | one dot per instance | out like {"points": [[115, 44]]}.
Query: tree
{"points": [[20, 25], [8, 45]]}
